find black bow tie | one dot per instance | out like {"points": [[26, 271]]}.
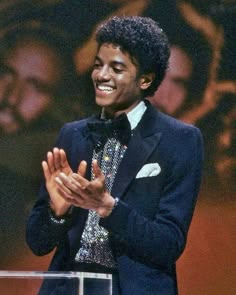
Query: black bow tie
{"points": [[118, 128]]}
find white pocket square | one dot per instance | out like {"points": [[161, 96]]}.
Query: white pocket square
{"points": [[149, 170]]}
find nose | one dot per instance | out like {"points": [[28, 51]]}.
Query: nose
{"points": [[103, 74]]}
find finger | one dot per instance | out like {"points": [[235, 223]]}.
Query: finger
{"points": [[50, 162], [70, 183], [46, 171], [62, 186], [82, 168], [97, 170], [65, 195], [56, 157], [73, 199], [63, 158], [81, 182]]}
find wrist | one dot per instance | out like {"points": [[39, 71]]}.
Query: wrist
{"points": [[60, 212], [106, 210], [59, 209]]}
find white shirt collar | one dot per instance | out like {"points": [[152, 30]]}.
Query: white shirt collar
{"points": [[135, 115]]}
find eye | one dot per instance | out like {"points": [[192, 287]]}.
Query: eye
{"points": [[97, 65], [118, 67], [118, 70]]}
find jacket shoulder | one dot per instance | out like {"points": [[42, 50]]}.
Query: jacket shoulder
{"points": [[75, 125], [176, 126], [180, 142]]}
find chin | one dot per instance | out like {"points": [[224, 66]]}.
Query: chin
{"points": [[102, 102]]}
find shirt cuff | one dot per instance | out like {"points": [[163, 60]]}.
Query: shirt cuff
{"points": [[59, 219]]}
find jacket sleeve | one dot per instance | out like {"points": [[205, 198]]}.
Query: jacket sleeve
{"points": [[160, 241], [43, 232]]}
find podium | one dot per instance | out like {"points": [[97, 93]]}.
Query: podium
{"points": [[29, 282]]}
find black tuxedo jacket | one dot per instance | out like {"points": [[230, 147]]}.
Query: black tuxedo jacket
{"points": [[148, 227]]}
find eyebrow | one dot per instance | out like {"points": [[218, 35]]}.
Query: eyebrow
{"points": [[114, 62]]}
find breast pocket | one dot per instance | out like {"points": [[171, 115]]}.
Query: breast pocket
{"points": [[144, 195]]}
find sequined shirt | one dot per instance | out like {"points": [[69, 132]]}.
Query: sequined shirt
{"points": [[94, 242]]}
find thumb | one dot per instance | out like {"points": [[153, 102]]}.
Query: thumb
{"points": [[97, 170]]}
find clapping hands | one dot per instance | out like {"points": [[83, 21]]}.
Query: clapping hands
{"points": [[67, 188]]}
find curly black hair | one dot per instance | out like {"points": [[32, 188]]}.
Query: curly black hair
{"points": [[143, 39]]}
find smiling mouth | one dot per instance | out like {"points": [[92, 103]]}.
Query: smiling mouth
{"points": [[105, 89]]}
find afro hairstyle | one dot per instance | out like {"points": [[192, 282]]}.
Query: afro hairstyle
{"points": [[145, 42]]}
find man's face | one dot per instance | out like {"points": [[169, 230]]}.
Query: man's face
{"points": [[173, 91], [29, 75], [117, 88]]}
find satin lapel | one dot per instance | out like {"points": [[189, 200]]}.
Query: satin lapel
{"points": [[82, 149], [144, 141]]}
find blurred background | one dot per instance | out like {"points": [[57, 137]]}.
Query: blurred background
{"points": [[46, 53]]}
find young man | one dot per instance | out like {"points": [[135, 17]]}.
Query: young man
{"points": [[121, 187]]}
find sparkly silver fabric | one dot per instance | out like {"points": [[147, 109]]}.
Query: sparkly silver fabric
{"points": [[94, 243]]}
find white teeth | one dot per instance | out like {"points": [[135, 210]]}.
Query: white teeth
{"points": [[105, 88]]}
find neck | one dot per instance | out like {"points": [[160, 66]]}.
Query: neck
{"points": [[111, 113]]}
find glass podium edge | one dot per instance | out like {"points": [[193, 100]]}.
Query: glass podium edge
{"points": [[52, 274]]}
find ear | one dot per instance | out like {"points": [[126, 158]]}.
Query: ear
{"points": [[146, 80]]}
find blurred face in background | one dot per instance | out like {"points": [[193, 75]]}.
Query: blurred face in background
{"points": [[29, 76], [173, 90]]}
